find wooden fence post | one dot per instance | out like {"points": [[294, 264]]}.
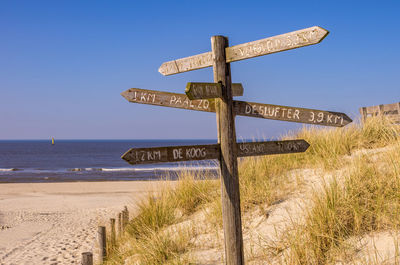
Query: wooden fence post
{"points": [[120, 224], [363, 112], [231, 214], [101, 236], [87, 258], [112, 228], [381, 111], [126, 216]]}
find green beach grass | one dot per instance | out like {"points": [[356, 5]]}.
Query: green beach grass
{"points": [[365, 199]]}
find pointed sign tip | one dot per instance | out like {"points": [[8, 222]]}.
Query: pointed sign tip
{"points": [[347, 118], [325, 33], [161, 70], [187, 89], [126, 94], [306, 144]]}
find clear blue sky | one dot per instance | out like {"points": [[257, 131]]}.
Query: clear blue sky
{"points": [[63, 64]]}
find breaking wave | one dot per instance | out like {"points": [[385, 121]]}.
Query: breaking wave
{"points": [[8, 169], [126, 169]]}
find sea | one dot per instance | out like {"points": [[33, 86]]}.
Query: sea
{"points": [[29, 161]]}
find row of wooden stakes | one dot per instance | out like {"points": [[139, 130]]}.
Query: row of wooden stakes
{"points": [[104, 245]]}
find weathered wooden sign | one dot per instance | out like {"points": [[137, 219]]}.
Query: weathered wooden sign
{"points": [[136, 156], [167, 99], [284, 42], [151, 155], [271, 147], [241, 108], [293, 114], [210, 90]]}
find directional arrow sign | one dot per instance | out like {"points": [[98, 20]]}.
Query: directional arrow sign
{"points": [[285, 113], [166, 99], [271, 147], [284, 42], [241, 108], [137, 156], [210, 90], [152, 155]]}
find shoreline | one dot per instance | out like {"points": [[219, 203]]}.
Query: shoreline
{"points": [[53, 223]]}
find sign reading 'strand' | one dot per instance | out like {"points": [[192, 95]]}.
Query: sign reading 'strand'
{"points": [[204, 96]]}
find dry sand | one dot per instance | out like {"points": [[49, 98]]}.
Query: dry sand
{"points": [[53, 223]]}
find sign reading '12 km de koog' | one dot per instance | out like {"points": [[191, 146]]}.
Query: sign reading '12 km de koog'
{"points": [[218, 97]]}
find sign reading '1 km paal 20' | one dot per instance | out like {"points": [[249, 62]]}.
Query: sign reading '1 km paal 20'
{"points": [[207, 96], [241, 108], [284, 42]]}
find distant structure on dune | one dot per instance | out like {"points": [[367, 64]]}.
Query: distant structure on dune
{"points": [[392, 111]]}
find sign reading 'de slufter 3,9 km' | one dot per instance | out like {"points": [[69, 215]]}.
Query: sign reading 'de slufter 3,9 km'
{"points": [[217, 97]]}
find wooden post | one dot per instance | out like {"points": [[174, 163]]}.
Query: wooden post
{"points": [[112, 228], [363, 112], [87, 258], [398, 113], [381, 112], [101, 237], [126, 216], [228, 161], [123, 221], [120, 224]]}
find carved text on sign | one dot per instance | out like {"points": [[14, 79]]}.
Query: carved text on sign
{"points": [[274, 44], [293, 114], [167, 99], [151, 155]]}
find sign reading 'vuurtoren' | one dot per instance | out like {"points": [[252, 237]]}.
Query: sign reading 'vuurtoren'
{"points": [[284, 42]]}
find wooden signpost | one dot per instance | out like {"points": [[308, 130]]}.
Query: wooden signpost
{"points": [[218, 97]]}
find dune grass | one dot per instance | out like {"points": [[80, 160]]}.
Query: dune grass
{"points": [[144, 241], [368, 199]]}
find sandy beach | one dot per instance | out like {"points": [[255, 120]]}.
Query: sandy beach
{"points": [[53, 223]]}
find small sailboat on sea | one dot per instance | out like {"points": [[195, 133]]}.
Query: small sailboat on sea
{"points": [[52, 140]]}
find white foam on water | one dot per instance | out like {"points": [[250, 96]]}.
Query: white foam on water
{"points": [[160, 168], [8, 169]]}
